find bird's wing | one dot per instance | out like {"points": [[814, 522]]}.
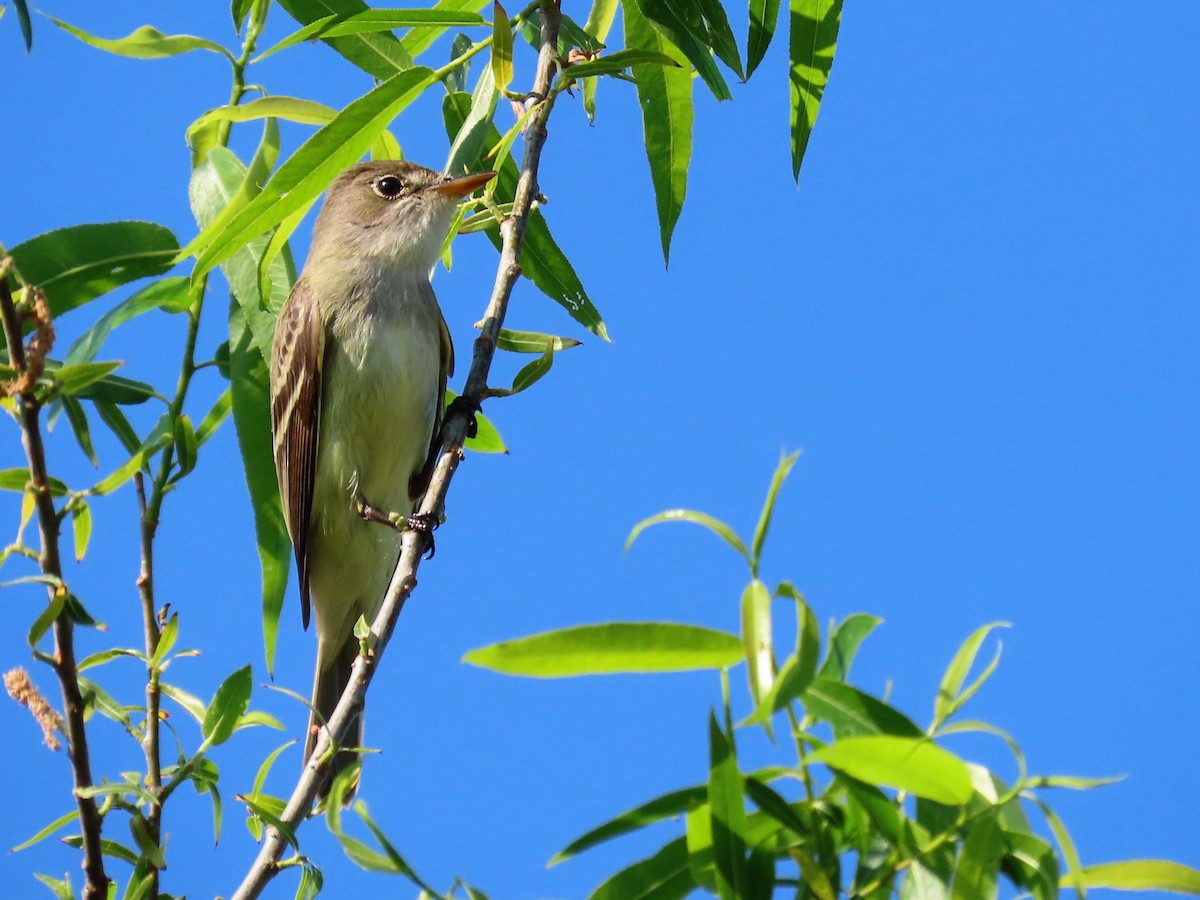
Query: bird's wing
{"points": [[296, 360], [418, 484]]}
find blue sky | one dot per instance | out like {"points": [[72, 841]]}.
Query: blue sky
{"points": [[977, 317]]}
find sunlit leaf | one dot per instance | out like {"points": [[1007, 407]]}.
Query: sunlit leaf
{"points": [[916, 765], [228, 705], [853, 712], [728, 812], [756, 638], [844, 641], [812, 42], [502, 48], [663, 876], [609, 648], [716, 526], [764, 15], [145, 42], [688, 34], [379, 54], [976, 877], [768, 510], [948, 699], [667, 806]]}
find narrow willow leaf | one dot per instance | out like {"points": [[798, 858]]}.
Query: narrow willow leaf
{"points": [[916, 765], [572, 34], [81, 528], [852, 712], [46, 618], [688, 34], [82, 262], [529, 374], [667, 806], [118, 424], [166, 641], [372, 21], [291, 109], [170, 294], [773, 804], [386, 147], [149, 848], [107, 847], [185, 445], [227, 707], [532, 341], [58, 823], [812, 42], [22, 8], [131, 466], [665, 97], [456, 79], [976, 877], [663, 876], [1072, 782], [764, 518], [756, 639], [716, 526], [249, 383], [948, 700], [421, 38], [501, 151], [1074, 877], [728, 813], [799, 668], [240, 9], [472, 136], [144, 43], [609, 648], [379, 55], [720, 35], [844, 641], [600, 19], [191, 704], [61, 889], [18, 480], [621, 60], [1031, 863], [502, 47], [78, 420], [310, 169], [764, 15], [215, 416]]}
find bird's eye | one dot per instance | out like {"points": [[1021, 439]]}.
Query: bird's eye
{"points": [[389, 187]]}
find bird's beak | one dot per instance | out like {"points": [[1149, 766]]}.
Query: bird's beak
{"points": [[463, 185]]}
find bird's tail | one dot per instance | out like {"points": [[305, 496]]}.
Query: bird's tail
{"points": [[333, 674]]}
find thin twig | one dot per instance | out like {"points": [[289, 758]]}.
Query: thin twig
{"points": [[454, 433], [28, 408], [150, 740]]}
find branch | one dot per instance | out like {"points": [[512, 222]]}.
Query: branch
{"points": [[454, 433], [27, 409]]}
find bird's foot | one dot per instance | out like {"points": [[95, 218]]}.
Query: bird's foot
{"points": [[467, 406], [425, 524]]}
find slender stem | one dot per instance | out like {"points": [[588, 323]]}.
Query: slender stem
{"points": [[454, 431], [28, 408]]}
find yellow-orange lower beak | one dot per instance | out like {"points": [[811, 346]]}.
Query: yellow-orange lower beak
{"points": [[463, 185]]}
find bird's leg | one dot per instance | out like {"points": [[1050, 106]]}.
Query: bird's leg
{"points": [[423, 523], [467, 406]]}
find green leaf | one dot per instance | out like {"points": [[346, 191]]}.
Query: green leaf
{"points": [[61, 889], [665, 97], [249, 382], [47, 617], [22, 8], [81, 528], [529, 374], [1031, 864], [18, 480], [468, 144], [220, 410], [502, 47], [227, 707], [948, 700], [667, 806], [78, 421], [291, 109], [170, 294], [663, 876], [311, 168], [799, 668], [107, 848], [756, 639], [185, 445], [1070, 855], [976, 876], [104, 703], [58, 823], [127, 470], [370, 21], [621, 60], [80, 263], [688, 34], [916, 765], [764, 15], [421, 38], [720, 35], [144, 43], [532, 341], [487, 439], [716, 526], [166, 641], [844, 641], [852, 712], [191, 704], [240, 9], [112, 416], [125, 789], [728, 814], [140, 829], [609, 648], [1072, 782], [379, 55], [600, 19], [768, 510], [812, 42]]}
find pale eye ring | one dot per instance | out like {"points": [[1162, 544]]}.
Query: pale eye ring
{"points": [[389, 187]]}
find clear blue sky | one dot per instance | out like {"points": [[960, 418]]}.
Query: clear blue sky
{"points": [[977, 316]]}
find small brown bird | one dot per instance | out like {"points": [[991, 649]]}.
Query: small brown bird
{"points": [[358, 382]]}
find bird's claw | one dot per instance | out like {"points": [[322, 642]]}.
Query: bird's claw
{"points": [[467, 406], [426, 524]]}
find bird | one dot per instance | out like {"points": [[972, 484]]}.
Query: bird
{"points": [[359, 365]]}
